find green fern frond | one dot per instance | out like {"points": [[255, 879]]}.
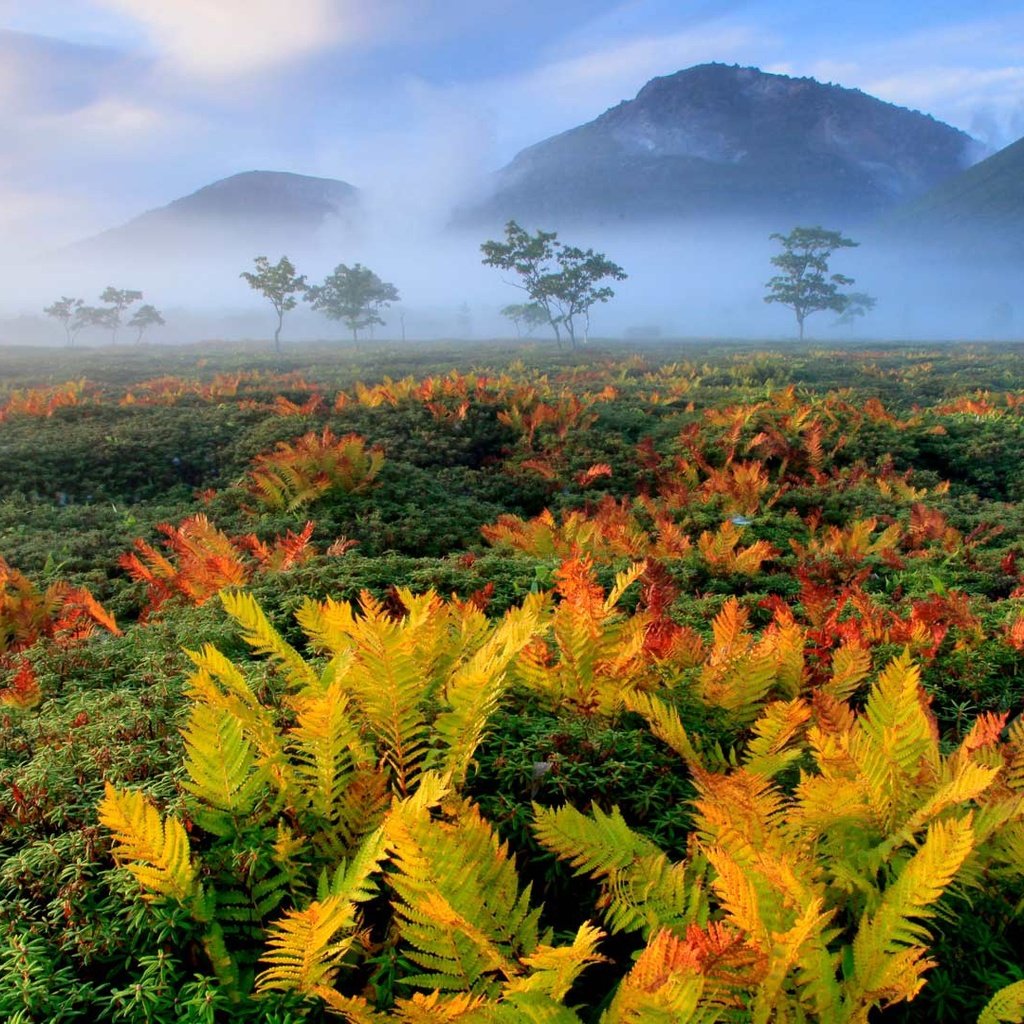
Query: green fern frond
{"points": [[642, 890], [897, 719], [352, 878], [218, 683]]}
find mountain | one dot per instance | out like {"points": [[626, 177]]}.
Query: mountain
{"points": [[726, 141], [980, 210], [254, 211]]}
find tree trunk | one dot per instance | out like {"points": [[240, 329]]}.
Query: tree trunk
{"points": [[277, 333], [800, 322]]}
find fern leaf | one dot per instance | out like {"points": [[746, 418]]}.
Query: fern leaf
{"points": [[888, 948], [155, 851], [666, 724], [554, 969], [642, 890], [219, 683], [663, 987], [460, 911], [769, 752], [222, 768], [303, 954], [261, 636], [1005, 1007], [475, 688], [326, 750]]}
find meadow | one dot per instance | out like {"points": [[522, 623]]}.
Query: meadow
{"points": [[665, 683]]}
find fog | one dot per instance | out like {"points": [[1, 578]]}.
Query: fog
{"points": [[686, 279]]}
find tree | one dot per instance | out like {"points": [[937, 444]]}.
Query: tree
{"points": [[354, 295], [525, 315], [65, 310], [143, 318], [560, 279], [118, 299], [104, 317], [805, 284], [278, 283]]}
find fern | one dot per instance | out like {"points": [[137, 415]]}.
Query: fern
{"points": [[1005, 1007], [642, 890], [261, 636], [223, 769], [474, 689], [460, 912], [304, 956], [663, 987], [155, 851], [304, 953], [888, 950]]}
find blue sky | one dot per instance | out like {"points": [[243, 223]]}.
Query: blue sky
{"points": [[108, 107]]}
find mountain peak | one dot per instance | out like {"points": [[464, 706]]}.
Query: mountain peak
{"points": [[725, 140], [250, 210]]}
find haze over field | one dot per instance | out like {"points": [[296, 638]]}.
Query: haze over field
{"points": [[672, 137]]}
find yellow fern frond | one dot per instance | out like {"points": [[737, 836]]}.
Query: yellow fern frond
{"points": [[261, 636], [663, 987], [1005, 1007], [222, 767], [665, 723], [554, 969], [460, 911], [155, 851], [439, 1009], [326, 750], [770, 751], [851, 664], [893, 933], [474, 689], [329, 624], [303, 954]]}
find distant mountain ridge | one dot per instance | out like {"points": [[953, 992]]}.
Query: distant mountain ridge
{"points": [[981, 209], [261, 209], [726, 141]]}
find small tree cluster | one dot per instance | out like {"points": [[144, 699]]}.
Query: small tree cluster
{"points": [[562, 281], [353, 295], [75, 316]]}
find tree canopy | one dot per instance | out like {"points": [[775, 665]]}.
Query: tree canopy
{"points": [[805, 284], [562, 280], [280, 284], [354, 295]]}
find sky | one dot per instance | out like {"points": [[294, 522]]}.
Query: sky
{"points": [[111, 107]]}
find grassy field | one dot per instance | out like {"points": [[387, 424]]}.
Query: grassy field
{"points": [[503, 684]]}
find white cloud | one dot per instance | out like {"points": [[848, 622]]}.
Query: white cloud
{"points": [[970, 74], [225, 38]]}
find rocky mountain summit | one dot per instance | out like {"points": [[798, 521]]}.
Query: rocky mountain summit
{"points": [[725, 141]]}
